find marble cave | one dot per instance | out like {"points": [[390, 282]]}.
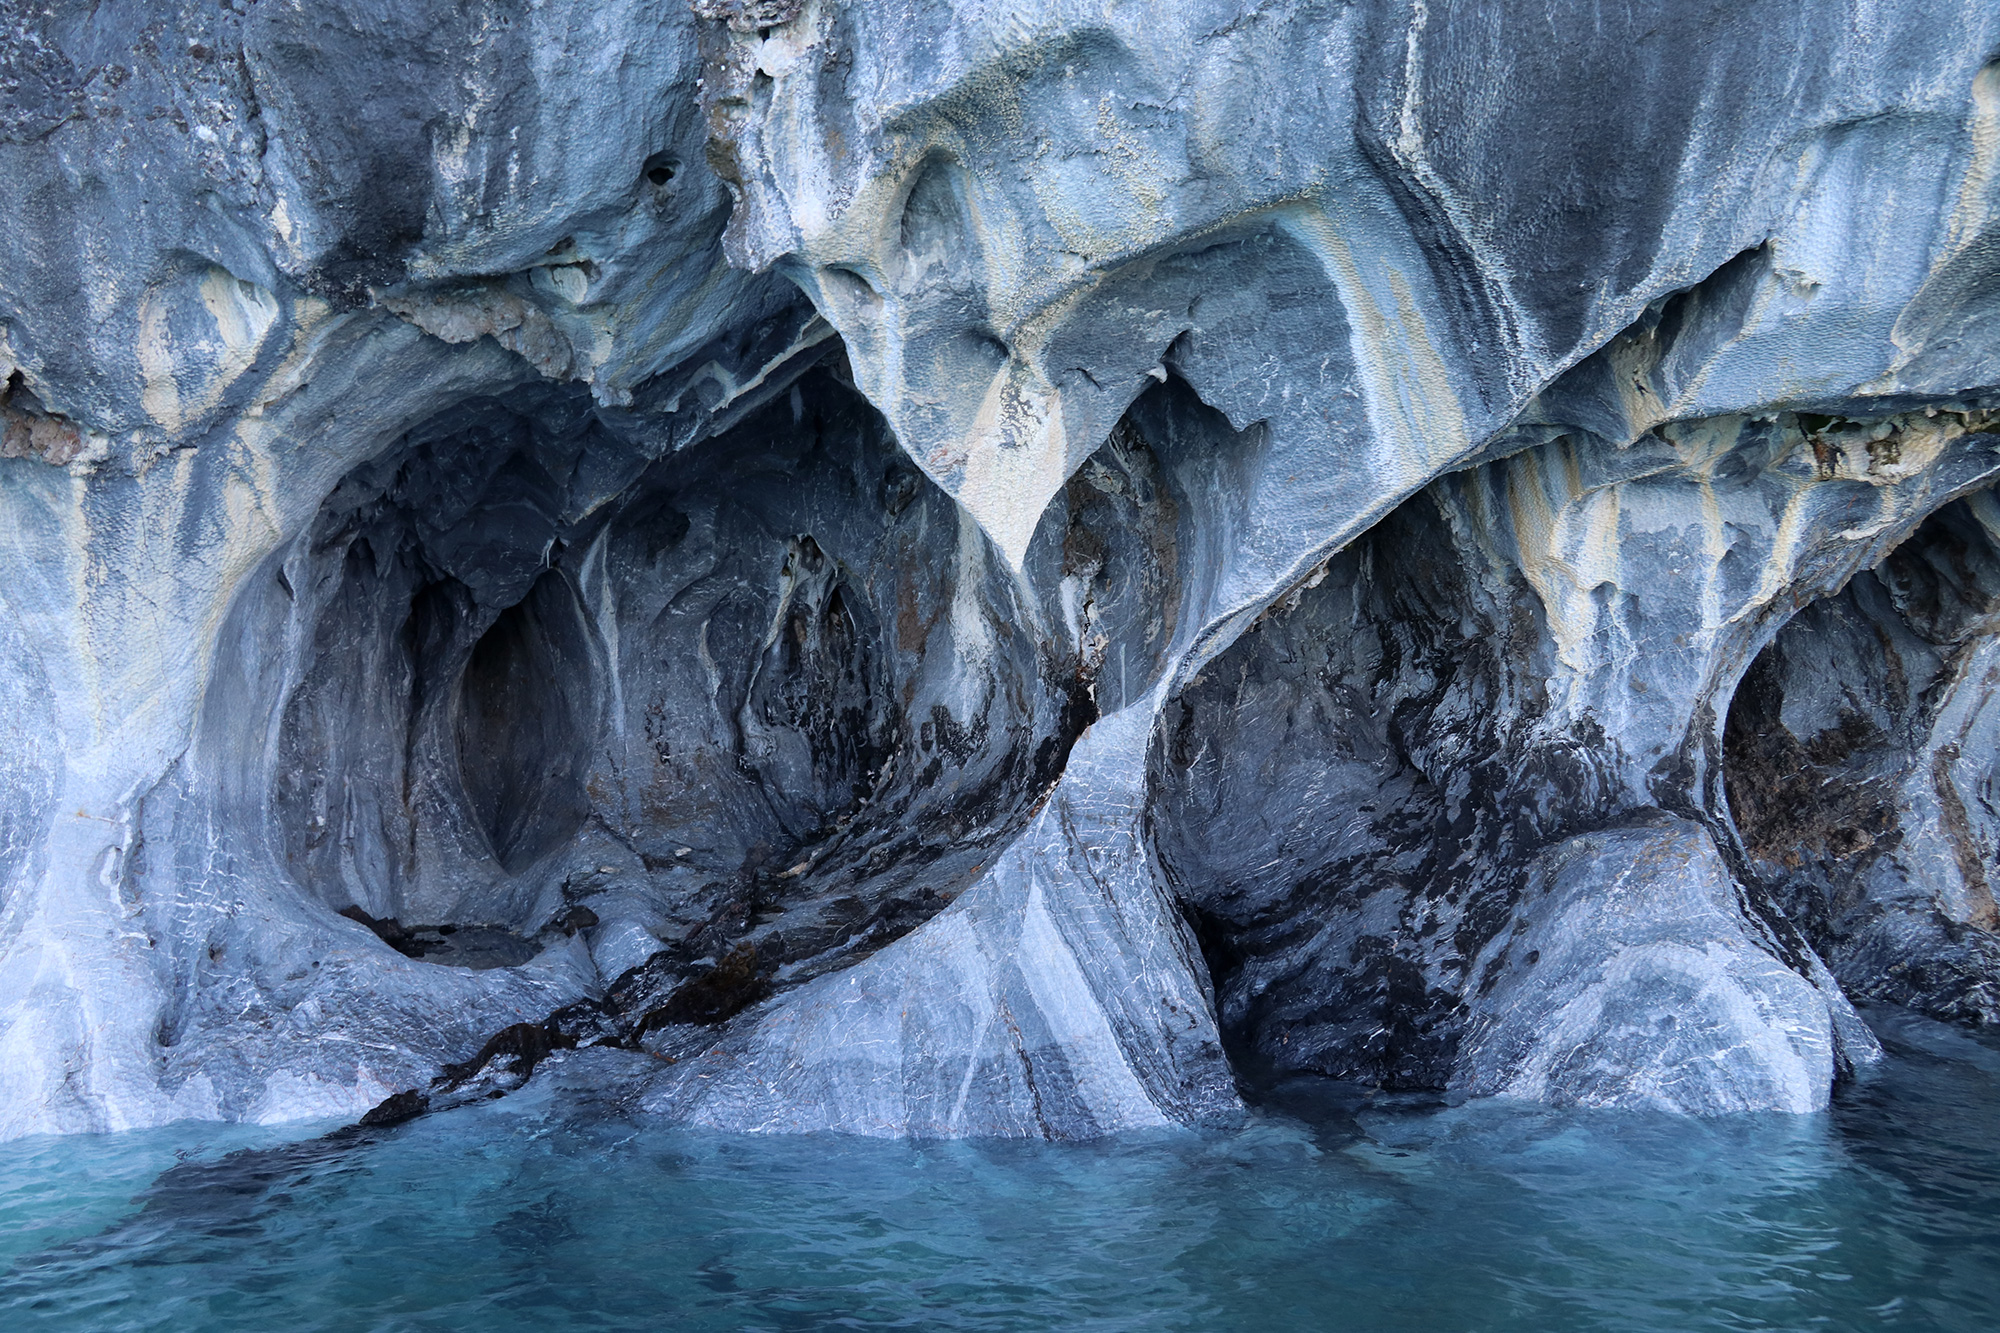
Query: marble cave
{"points": [[942, 570]]}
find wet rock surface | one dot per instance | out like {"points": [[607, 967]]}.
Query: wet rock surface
{"points": [[929, 571]]}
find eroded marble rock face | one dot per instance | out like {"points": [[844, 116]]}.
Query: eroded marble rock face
{"points": [[948, 569], [1860, 770]]}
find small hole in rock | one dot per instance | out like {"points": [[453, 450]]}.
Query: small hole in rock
{"points": [[660, 168]]}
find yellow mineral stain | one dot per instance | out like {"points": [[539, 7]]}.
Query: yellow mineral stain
{"points": [[1981, 172], [243, 313], [1411, 405], [159, 394]]}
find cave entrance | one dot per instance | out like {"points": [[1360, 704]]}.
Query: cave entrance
{"points": [[1859, 760], [526, 724], [765, 701], [434, 747]]}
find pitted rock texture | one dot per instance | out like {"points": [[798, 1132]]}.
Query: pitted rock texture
{"points": [[946, 569]]}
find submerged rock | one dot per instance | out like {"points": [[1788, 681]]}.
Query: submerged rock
{"points": [[953, 571]]}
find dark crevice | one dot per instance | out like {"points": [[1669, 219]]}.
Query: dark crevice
{"points": [[1331, 794], [526, 724]]}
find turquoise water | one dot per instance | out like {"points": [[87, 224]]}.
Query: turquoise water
{"points": [[1332, 1211]]}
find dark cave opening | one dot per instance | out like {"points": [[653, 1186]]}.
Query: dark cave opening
{"points": [[433, 739], [1311, 788], [761, 702], [1859, 766], [526, 724]]}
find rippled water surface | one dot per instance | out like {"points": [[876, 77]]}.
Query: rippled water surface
{"points": [[1332, 1211]]}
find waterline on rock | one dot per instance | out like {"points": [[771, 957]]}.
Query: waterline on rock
{"points": [[1335, 1207]]}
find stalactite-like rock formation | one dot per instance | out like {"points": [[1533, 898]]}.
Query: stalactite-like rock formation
{"points": [[966, 570]]}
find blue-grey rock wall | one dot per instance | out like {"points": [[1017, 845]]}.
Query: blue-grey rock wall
{"points": [[946, 569]]}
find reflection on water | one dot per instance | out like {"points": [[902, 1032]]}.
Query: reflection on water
{"points": [[1333, 1210]]}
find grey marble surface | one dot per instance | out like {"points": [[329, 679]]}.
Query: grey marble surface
{"points": [[939, 569]]}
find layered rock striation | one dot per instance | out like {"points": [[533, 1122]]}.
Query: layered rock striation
{"points": [[970, 570]]}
